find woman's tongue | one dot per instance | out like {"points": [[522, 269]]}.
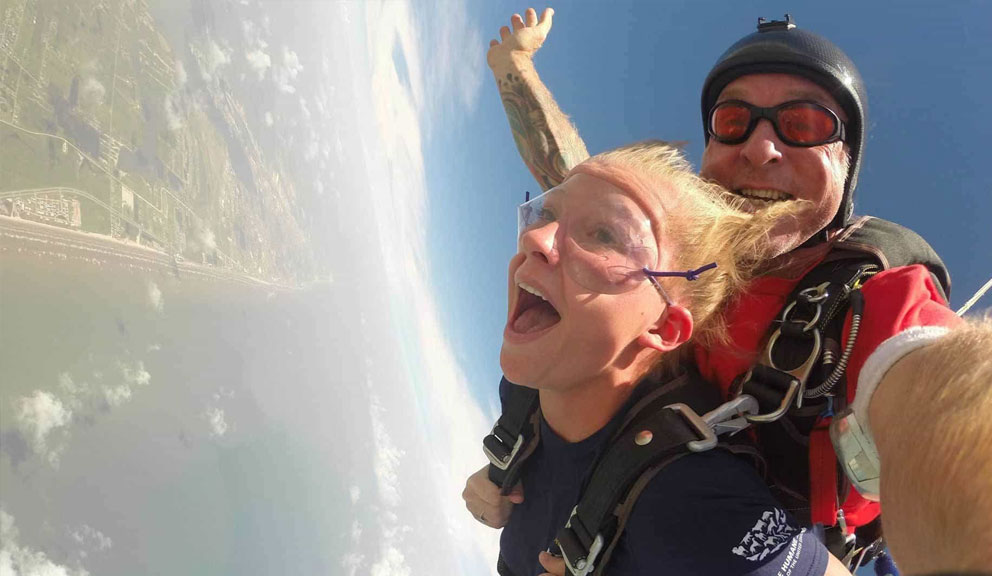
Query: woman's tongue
{"points": [[537, 317]]}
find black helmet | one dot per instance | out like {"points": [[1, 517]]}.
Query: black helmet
{"points": [[780, 47]]}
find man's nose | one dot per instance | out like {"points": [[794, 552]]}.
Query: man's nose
{"points": [[541, 242], [762, 146]]}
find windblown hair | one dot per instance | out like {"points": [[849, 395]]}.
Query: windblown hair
{"points": [[704, 223]]}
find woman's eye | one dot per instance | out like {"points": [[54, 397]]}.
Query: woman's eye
{"points": [[604, 236], [546, 215]]}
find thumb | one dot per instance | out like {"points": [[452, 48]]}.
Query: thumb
{"points": [[516, 495], [553, 564], [546, 17]]}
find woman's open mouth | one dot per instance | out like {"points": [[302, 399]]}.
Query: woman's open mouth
{"points": [[533, 313]]}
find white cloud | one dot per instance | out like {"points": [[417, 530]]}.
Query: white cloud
{"points": [[355, 492], [391, 562], [46, 418], [269, 121], [131, 376], [386, 456], [173, 113], [211, 58], [285, 74], [208, 239], [18, 560], [259, 61], [117, 395], [180, 74], [456, 56], [92, 538], [155, 297], [218, 424], [91, 93], [135, 374], [402, 120], [38, 416]]}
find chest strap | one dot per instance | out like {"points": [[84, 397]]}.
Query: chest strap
{"points": [[515, 435], [661, 428]]}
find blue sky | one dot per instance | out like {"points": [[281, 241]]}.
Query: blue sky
{"points": [[626, 71]]}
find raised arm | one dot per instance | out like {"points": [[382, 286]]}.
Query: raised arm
{"points": [[931, 417], [547, 140]]}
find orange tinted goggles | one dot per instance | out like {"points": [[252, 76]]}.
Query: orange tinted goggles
{"points": [[797, 122]]}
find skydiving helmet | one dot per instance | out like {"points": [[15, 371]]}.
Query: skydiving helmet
{"points": [[779, 47]]}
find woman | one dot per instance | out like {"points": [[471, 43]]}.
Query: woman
{"points": [[596, 320]]}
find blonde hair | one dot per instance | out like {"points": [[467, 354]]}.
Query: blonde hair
{"points": [[703, 223]]}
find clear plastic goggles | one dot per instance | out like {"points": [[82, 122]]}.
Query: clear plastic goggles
{"points": [[604, 240]]}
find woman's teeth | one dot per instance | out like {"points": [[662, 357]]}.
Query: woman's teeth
{"points": [[532, 290], [772, 195]]}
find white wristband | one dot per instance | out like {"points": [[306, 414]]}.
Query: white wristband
{"points": [[883, 358]]}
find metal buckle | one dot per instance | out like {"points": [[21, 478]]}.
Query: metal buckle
{"points": [[802, 371], [793, 393], [585, 565], [800, 374], [501, 461], [708, 437], [731, 416]]}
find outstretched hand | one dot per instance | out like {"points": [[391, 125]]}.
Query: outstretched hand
{"points": [[487, 505], [526, 38]]}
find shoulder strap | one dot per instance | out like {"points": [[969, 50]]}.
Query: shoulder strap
{"points": [[660, 428], [515, 435], [893, 246]]}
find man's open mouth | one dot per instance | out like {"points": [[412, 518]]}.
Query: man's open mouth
{"points": [[533, 312], [763, 195]]}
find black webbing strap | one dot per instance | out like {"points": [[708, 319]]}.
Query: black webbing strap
{"points": [[502, 568], [514, 436], [653, 437], [768, 386]]}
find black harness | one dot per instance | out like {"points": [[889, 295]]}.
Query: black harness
{"points": [[799, 377], [664, 424]]}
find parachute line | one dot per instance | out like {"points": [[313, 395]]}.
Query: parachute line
{"points": [[971, 302]]}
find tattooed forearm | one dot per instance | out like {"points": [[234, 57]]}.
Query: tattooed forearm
{"points": [[546, 140]]}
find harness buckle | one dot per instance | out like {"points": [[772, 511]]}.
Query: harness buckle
{"points": [[707, 436], [498, 450], [731, 416], [580, 562]]}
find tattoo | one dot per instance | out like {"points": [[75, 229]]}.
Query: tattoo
{"points": [[531, 132]]}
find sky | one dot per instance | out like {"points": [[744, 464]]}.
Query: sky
{"points": [[332, 428], [626, 71]]}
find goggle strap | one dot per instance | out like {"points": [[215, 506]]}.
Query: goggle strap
{"points": [[690, 275]]}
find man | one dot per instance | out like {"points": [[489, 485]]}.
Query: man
{"points": [[784, 118]]}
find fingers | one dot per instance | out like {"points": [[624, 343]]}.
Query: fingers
{"points": [[516, 495], [555, 566], [504, 33], [479, 486], [517, 22], [493, 43], [546, 18], [530, 17]]}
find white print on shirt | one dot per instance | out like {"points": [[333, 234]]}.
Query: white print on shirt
{"points": [[792, 558], [769, 534]]}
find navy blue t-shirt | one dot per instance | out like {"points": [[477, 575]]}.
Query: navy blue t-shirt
{"points": [[707, 513]]}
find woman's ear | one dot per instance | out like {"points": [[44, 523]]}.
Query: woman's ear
{"points": [[672, 329]]}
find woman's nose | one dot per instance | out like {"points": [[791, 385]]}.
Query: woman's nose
{"points": [[542, 243]]}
